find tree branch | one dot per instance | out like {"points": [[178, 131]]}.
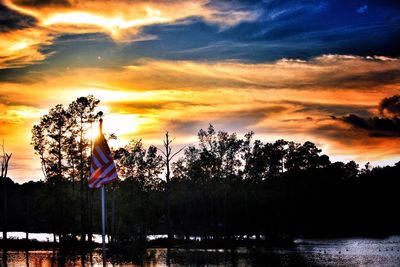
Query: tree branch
{"points": [[177, 152]]}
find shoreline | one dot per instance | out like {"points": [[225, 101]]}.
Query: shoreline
{"points": [[75, 245]]}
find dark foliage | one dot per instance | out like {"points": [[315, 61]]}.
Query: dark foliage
{"points": [[222, 188]]}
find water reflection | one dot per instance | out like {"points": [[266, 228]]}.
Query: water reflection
{"points": [[307, 252]]}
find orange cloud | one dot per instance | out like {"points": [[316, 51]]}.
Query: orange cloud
{"points": [[286, 99], [120, 19], [328, 71], [22, 47]]}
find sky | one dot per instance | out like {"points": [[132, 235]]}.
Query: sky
{"points": [[324, 71]]}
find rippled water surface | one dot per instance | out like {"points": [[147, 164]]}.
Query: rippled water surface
{"points": [[306, 252]]}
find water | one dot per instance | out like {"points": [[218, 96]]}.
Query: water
{"points": [[306, 252], [47, 237]]}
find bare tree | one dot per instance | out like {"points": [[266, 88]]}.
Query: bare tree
{"points": [[168, 156], [5, 158]]}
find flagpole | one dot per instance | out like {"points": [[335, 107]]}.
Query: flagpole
{"points": [[102, 171], [103, 210], [103, 222]]}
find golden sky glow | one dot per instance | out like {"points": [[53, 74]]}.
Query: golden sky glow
{"points": [[148, 84], [139, 103]]}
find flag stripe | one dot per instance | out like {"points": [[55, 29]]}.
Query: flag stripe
{"points": [[97, 183], [97, 172], [109, 180], [102, 169], [95, 162], [97, 157], [101, 181], [106, 172], [101, 154]]}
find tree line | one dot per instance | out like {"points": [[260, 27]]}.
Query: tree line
{"points": [[224, 187]]}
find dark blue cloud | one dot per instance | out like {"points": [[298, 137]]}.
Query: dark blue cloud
{"points": [[362, 9], [291, 29], [12, 20]]}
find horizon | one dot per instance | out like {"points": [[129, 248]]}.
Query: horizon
{"points": [[323, 71]]}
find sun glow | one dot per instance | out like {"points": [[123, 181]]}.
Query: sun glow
{"points": [[91, 134], [113, 25], [123, 126]]}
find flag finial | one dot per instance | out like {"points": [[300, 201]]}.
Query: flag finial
{"points": [[101, 122]]}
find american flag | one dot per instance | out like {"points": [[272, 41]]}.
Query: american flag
{"points": [[102, 169]]}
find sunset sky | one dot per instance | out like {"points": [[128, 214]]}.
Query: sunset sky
{"points": [[297, 70]]}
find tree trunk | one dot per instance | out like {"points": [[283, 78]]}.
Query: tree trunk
{"points": [[81, 177], [4, 169], [168, 157], [168, 191], [90, 216], [5, 212]]}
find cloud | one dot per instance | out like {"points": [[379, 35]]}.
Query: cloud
{"points": [[332, 108], [28, 26], [323, 72], [23, 47], [255, 31], [362, 9], [282, 99], [12, 20], [156, 84], [123, 18], [375, 126], [387, 126], [390, 105]]}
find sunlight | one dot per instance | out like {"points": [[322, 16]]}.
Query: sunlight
{"points": [[122, 125], [91, 134], [83, 18], [19, 46], [110, 24], [111, 96], [20, 113]]}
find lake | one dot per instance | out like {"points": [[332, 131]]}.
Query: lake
{"points": [[306, 252]]}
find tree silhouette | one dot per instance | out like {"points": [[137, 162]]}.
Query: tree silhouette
{"points": [[5, 159], [224, 188], [60, 139], [83, 114], [49, 139], [140, 169], [168, 157]]}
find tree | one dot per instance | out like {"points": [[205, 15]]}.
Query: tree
{"points": [[168, 156], [5, 159], [136, 163], [60, 139], [220, 154], [83, 114], [256, 164], [214, 168], [140, 170], [304, 157], [49, 139]]}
